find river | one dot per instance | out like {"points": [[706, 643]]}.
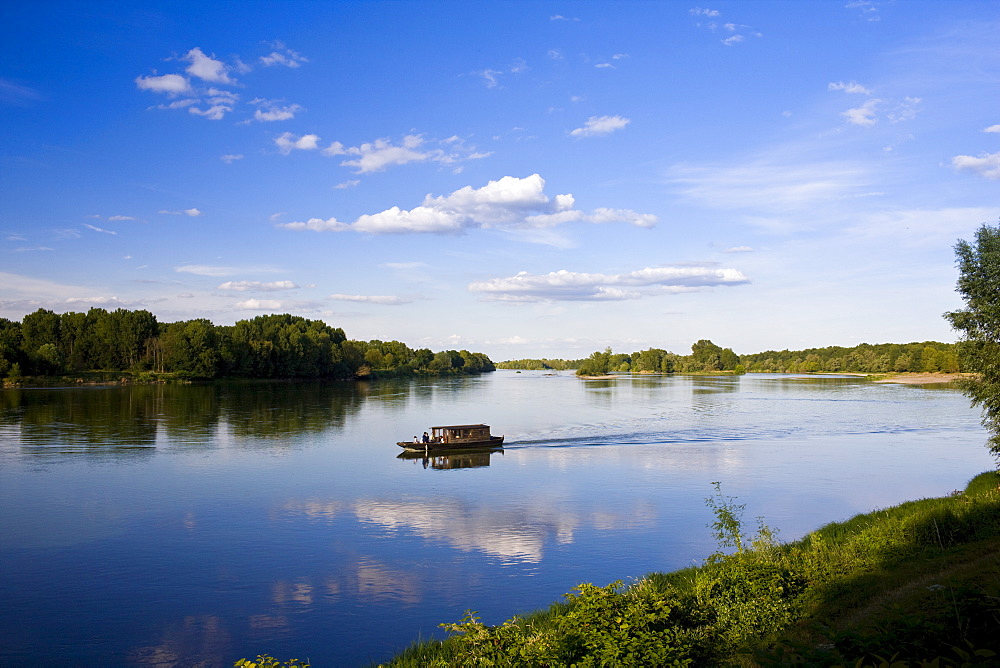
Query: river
{"points": [[183, 525]]}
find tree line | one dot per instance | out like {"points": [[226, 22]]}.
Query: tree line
{"points": [[540, 364], [927, 356], [45, 343]]}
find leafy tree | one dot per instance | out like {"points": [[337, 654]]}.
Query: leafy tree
{"points": [[596, 365], [706, 356], [40, 339], [190, 346], [10, 346], [979, 323], [728, 359]]}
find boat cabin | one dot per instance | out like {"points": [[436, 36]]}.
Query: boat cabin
{"points": [[460, 433]]}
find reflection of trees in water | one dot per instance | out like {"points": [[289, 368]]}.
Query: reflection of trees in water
{"points": [[99, 420], [136, 418], [282, 409]]}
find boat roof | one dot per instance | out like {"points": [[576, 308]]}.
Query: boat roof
{"points": [[460, 426]]}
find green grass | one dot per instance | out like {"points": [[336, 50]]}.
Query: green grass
{"points": [[916, 584]]}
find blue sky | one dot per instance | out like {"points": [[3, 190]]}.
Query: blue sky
{"points": [[523, 179]]}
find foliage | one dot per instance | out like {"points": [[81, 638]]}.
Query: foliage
{"points": [[266, 661], [727, 529], [598, 364], [540, 364], [707, 357], [979, 323], [268, 346]]}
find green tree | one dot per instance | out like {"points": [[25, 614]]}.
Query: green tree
{"points": [[10, 346], [189, 346], [596, 365], [40, 340], [979, 323], [706, 356]]}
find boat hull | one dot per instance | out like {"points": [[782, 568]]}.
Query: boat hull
{"points": [[491, 442]]}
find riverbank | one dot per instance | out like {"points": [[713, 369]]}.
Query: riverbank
{"points": [[924, 378], [915, 582]]}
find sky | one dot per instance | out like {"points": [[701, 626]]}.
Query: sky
{"points": [[522, 179]]}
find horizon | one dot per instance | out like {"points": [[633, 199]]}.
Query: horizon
{"points": [[503, 178]]}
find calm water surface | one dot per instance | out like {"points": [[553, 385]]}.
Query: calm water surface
{"points": [[195, 525]]}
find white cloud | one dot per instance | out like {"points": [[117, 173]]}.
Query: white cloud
{"points": [[219, 96], [739, 249], [287, 142], [282, 55], [385, 300], [317, 225], [492, 77], [852, 87], [186, 212], [377, 155], [207, 68], [283, 114], [734, 39], [213, 103], [216, 112], [170, 84], [271, 110], [863, 115], [178, 104], [508, 202], [95, 300], [905, 110], [98, 229], [600, 125], [698, 11], [771, 187], [258, 286], [259, 304], [575, 286], [117, 218], [419, 219], [986, 165], [867, 10], [344, 185], [229, 158], [992, 128]]}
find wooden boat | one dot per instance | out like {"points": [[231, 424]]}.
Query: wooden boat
{"points": [[455, 437]]}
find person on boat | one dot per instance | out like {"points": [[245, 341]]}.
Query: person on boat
{"points": [[427, 439], [416, 440]]}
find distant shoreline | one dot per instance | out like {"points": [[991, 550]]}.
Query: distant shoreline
{"points": [[916, 378]]}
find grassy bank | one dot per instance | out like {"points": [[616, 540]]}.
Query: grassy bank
{"points": [[914, 583]]}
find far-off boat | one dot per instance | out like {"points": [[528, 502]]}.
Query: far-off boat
{"points": [[454, 437]]}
